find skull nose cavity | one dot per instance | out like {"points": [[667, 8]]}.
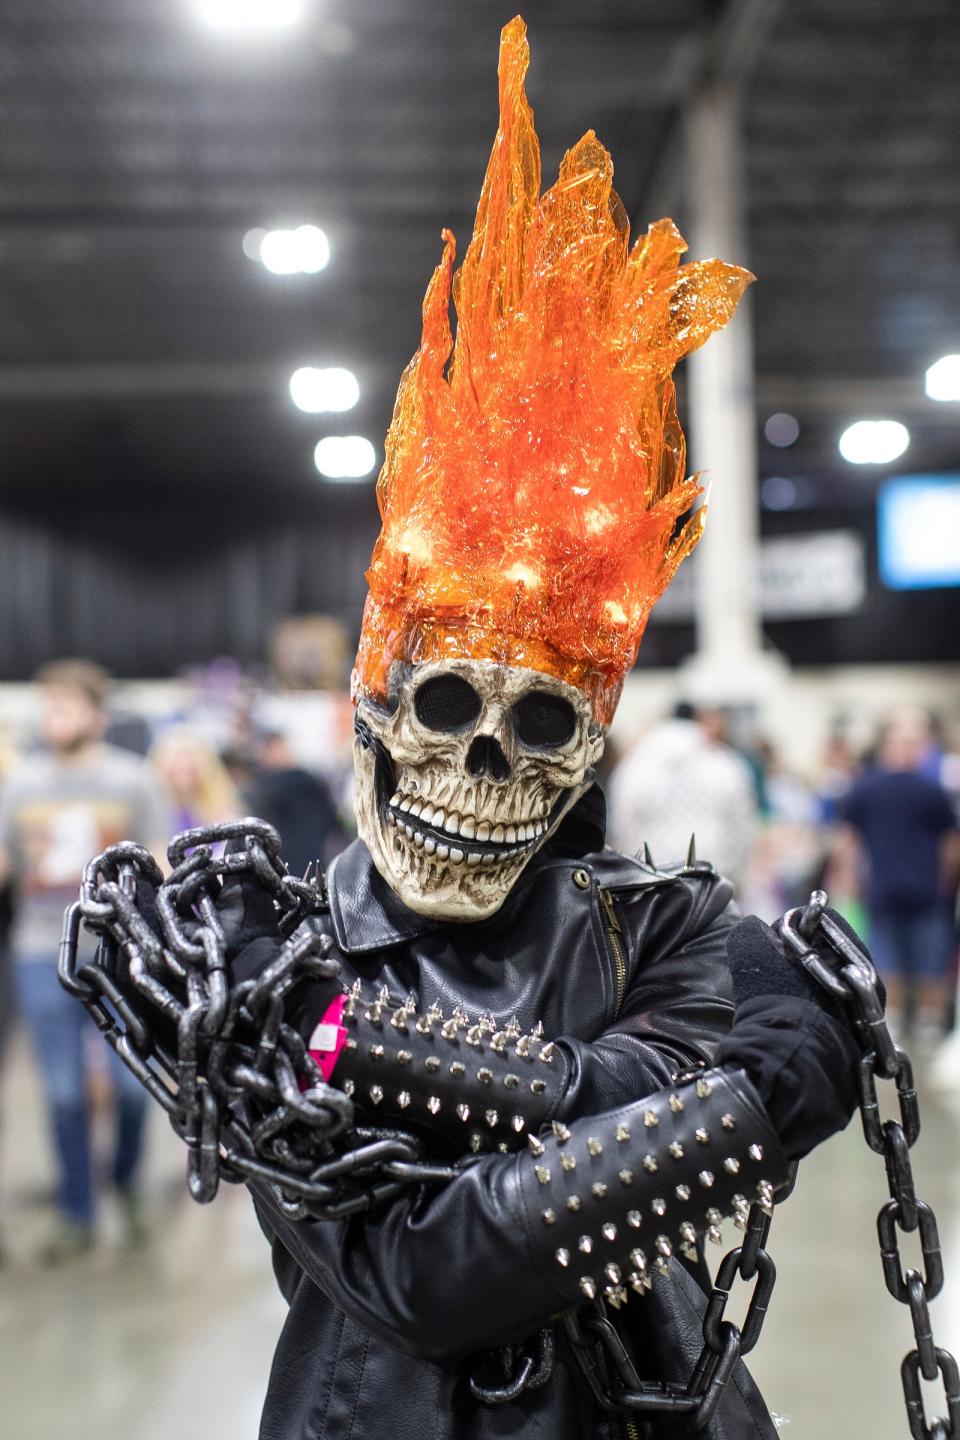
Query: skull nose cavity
{"points": [[486, 757]]}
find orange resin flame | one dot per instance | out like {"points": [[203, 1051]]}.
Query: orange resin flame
{"points": [[534, 479]]}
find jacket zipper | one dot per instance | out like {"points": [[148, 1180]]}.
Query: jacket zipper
{"points": [[614, 935]]}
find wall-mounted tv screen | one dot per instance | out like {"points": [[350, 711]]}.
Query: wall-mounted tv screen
{"points": [[918, 523]]}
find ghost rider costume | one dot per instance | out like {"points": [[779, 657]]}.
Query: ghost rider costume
{"points": [[610, 1059]]}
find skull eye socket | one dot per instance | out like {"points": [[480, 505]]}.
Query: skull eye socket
{"points": [[544, 721], [446, 702]]}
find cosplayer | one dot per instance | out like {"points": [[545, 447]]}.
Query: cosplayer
{"points": [[597, 1061]]}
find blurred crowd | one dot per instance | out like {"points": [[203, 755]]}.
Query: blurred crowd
{"points": [[877, 830]]}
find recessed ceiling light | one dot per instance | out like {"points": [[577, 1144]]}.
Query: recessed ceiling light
{"points": [[302, 251], [249, 14], [345, 457], [316, 390], [942, 381], [874, 442]]}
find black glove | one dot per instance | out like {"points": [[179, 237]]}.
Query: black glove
{"points": [[793, 1039]]}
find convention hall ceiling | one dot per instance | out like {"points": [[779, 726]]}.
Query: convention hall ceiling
{"points": [[144, 357]]}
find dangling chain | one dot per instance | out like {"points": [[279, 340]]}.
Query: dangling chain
{"points": [[850, 978]]}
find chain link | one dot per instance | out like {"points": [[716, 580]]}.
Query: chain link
{"points": [[238, 1084]]}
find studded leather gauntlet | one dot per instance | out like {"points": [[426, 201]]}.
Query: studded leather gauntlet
{"points": [[466, 1081], [610, 1198]]}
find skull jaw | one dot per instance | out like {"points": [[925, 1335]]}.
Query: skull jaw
{"points": [[439, 888]]}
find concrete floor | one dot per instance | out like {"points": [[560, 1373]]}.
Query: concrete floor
{"points": [[175, 1339]]}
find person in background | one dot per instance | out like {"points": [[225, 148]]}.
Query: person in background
{"points": [[296, 802], [63, 805], [906, 828], [194, 777], [679, 781]]}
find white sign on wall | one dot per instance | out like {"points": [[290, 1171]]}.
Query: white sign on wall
{"points": [[817, 574]]}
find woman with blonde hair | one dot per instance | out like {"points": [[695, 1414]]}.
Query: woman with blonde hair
{"points": [[195, 778]]}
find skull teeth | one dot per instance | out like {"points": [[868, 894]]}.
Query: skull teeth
{"points": [[402, 809]]}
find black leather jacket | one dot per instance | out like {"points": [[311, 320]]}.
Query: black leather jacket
{"points": [[628, 965]]}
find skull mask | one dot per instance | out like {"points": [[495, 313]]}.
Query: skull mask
{"points": [[464, 774]]}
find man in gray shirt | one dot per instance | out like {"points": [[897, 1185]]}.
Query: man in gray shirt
{"points": [[60, 807]]}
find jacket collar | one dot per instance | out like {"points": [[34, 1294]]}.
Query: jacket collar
{"points": [[367, 915]]}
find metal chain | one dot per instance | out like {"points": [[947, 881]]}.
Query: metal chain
{"points": [[850, 978], [853, 980], [237, 1082]]}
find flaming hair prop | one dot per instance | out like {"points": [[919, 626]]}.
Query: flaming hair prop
{"points": [[534, 479]]}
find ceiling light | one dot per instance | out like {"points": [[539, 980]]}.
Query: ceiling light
{"points": [[315, 390], [249, 14], [943, 379], [344, 457], [302, 251], [781, 430], [874, 442]]}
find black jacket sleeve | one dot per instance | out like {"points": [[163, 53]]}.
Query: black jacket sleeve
{"points": [[678, 1002]]}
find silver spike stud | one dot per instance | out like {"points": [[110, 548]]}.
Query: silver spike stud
{"points": [[765, 1197], [664, 1246], [568, 1161], [594, 1145], [588, 1287], [492, 1118], [713, 1216], [376, 1093], [560, 1130], [616, 1295], [484, 1075], [547, 1053], [651, 1164], [692, 851], [463, 1112], [626, 1177], [403, 1099], [623, 1134], [435, 1013], [550, 1217], [728, 1122], [449, 1029], [474, 1036], [731, 1165], [404, 1057], [562, 1256], [676, 1149], [542, 1173], [651, 1119], [648, 859], [634, 1219], [676, 1103], [688, 1232], [523, 1047], [663, 1268], [714, 1235], [536, 1145], [348, 1087], [487, 1024], [658, 1206], [399, 1019], [706, 1178], [518, 1122], [538, 1086], [433, 1104], [598, 1190], [585, 1245], [702, 1135], [476, 1141], [498, 1042], [423, 1025], [513, 1031], [457, 1068], [704, 1089], [511, 1081], [431, 1064], [573, 1204], [537, 1031], [755, 1152], [682, 1192], [376, 1052], [608, 1230], [612, 1273]]}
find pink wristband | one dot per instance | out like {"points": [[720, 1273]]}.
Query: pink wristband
{"points": [[329, 1037]]}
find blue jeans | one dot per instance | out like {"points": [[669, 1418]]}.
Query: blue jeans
{"points": [[58, 1027], [914, 942]]}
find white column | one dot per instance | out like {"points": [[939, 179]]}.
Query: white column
{"points": [[730, 665]]}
